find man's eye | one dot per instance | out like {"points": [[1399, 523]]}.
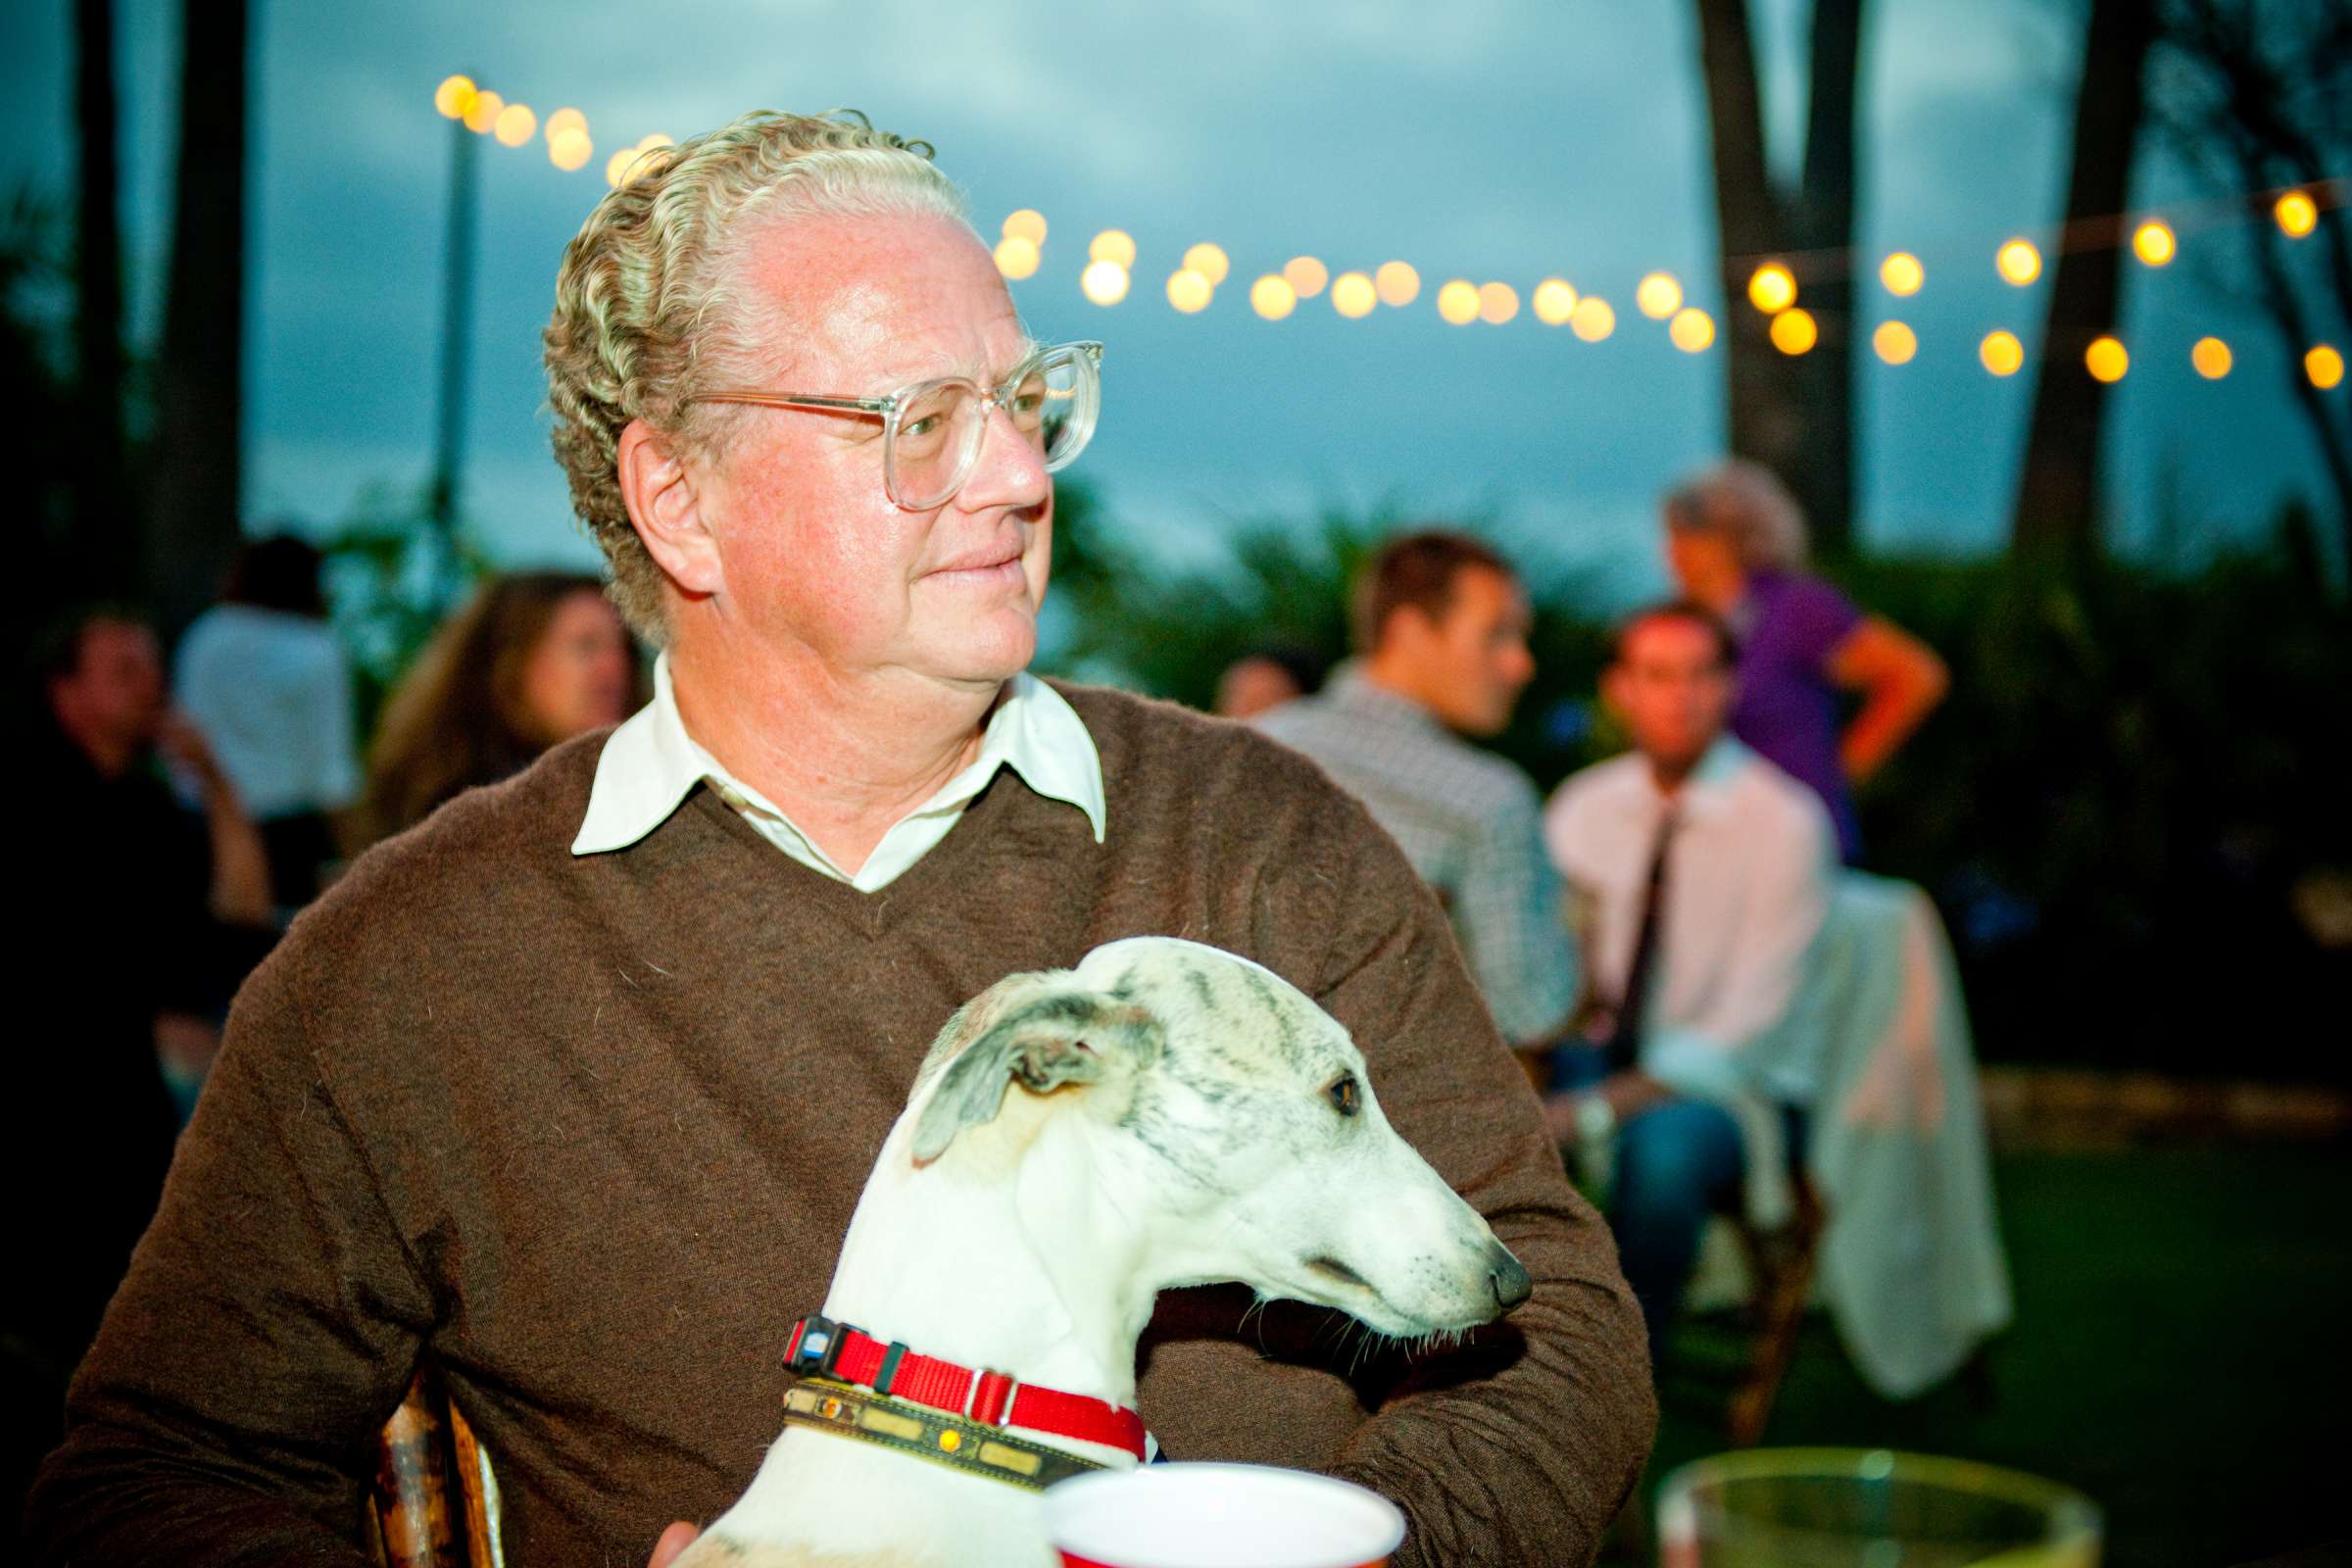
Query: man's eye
{"points": [[1345, 1095], [921, 427]]}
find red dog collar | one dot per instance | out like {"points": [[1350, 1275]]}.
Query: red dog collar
{"points": [[822, 1348]]}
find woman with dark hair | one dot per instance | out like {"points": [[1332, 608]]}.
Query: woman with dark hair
{"points": [[534, 658], [1736, 542]]}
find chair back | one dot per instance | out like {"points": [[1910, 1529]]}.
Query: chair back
{"points": [[434, 1503]]}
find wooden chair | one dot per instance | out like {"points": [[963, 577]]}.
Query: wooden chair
{"points": [[1780, 1270], [434, 1503]]}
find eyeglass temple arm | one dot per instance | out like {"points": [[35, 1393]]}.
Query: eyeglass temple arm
{"points": [[799, 400]]}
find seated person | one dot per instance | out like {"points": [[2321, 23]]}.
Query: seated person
{"points": [[1707, 872], [573, 1088], [1441, 623]]}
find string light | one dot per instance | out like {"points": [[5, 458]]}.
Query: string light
{"points": [[2297, 214], [1692, 329], [482, 112], [1016, 255], [570, 148], [1306, 276], [631, 162], [1208, 261], [1772, 288], [1272, 297], [515, 125], [1793, 332], [1104, 281], [1552, 301], [2017, 261], [1190, 290], [568, 144]]}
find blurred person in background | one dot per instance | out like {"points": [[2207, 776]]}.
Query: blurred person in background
{"points": [[1736, 543], [137, 918], [1706, 874], [264, 675], [533, 659], [1266, 677], [1441, 623]]}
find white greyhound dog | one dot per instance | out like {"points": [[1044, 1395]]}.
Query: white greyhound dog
{"points": [[1176, 1116]]}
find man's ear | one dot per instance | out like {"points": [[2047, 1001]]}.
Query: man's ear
{"points": [[665, 506], [1063, 1037]]}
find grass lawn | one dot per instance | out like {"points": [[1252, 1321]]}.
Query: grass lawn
{"points": [[2183, 1353]]}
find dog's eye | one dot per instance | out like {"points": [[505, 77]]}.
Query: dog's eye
{"points": [[1346, 1098]]}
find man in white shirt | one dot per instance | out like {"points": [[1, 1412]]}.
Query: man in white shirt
{"points": [[1706, 872], [264, 677]]}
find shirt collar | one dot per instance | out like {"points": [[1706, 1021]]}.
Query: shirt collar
{"points": [[650, 765], [1352, 689], [1704, 794]]}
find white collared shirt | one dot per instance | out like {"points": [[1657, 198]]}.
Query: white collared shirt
{"points": [[651, 764], [1747, 883], [271, 692]]}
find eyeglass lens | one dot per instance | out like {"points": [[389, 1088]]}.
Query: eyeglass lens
{"points": [[941, 426]]}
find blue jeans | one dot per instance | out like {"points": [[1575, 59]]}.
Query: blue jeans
{"points": [[1678, 1162]]}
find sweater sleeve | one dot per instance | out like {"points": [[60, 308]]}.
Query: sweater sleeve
{"points": [[1521, 1446], [269, 1321]]}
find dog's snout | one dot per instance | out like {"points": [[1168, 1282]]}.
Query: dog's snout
{"points": [[1507, 1278]]}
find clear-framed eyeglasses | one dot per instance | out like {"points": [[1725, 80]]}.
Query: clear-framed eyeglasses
{"points": [[932, 432]]}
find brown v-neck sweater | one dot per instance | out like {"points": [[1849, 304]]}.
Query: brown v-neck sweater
{"points": [[588, 1132]]}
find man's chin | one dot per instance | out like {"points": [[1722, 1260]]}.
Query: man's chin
{"points": [[991, 656]]}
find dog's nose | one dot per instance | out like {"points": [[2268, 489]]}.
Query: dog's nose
{"points": [[1507, 1278]]}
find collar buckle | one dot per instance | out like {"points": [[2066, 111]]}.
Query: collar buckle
{"points": [[816, 1346]]}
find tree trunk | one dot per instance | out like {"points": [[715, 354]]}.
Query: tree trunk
{"points": [[1824, 476], [2058, 497], [1795, 417], [100, 557], [1749, 226], [193, 515]]}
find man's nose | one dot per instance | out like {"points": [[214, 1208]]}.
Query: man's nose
{"points": [[1010, 470]]}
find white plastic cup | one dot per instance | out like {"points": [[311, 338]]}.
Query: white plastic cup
{"points": [[1219, 1516]]}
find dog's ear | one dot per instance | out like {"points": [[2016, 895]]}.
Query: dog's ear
{"points": [[1065, 1037]]}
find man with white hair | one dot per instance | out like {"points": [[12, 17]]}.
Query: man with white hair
{"points": [[573, 1089]]}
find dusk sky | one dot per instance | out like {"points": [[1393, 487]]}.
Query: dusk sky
{"points": [[1494, 140]]}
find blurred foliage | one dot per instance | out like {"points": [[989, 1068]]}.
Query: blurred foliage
{"points": [[391, 579], [2134, 772], [36, 362], [1137, 622]]}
